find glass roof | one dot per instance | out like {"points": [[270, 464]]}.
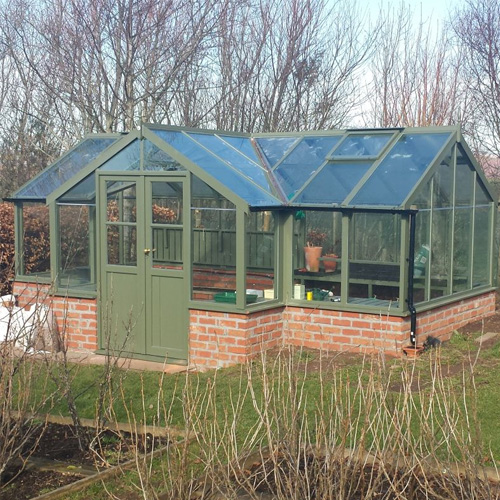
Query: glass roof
{"points": [[361, 168], [64, 168], [230, 167]]}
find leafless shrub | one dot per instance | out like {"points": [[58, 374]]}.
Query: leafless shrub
{"points": [[24, 389], [377, 433]]}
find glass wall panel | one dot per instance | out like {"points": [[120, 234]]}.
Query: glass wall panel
{"points": [[374, 256], [260, 241], [482, 247], [462, 249], [317, 259], [76, 244], [35, 240], [421, 270], [213, 220], [440, 261]]}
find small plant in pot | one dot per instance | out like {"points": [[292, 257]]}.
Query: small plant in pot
{"points": [[329, 259], [312, 252]]}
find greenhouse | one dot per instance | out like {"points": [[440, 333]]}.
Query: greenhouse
{"points": [[206, 247]]}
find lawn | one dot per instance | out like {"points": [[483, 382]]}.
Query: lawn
{"points": [[444, 405]]}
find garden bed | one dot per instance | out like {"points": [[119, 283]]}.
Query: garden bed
{"points": [[58, 460]]}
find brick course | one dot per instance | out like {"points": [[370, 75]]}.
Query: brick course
{"points": [[76, 318], [218, 339]]}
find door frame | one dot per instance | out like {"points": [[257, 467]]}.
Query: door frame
{"points": [[143, 180]]}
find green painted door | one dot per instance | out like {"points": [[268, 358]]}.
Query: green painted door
{"points": [[143, 304]]}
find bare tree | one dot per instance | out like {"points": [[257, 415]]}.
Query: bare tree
{"points": [[416, 73], [477, 29]]}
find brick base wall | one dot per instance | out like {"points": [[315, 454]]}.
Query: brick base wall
{"points": [[219, 339], [76, 318], [368, 333], [223, 339]]}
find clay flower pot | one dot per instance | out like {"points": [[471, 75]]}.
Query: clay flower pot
{"points": [[329, 264], [413, 351], [312, 256]]}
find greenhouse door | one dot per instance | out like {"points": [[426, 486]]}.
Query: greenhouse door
{"points": [[143, 306]]}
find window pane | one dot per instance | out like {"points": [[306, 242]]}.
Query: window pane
{"points": [[462, 249], [248, 168], [218, 169], [421, 271], [400, 170], [357, 145], [317, 258], [214, 245], [36, 240], [66, 167], [167, 229], [75, 249], [333, 183], [374, 256], [260, 267], [156, 159], [127, 159], [303, 161], [275, 148], [242, 144], [482, 246], [464, 185], [121, 201], [122, 245]]}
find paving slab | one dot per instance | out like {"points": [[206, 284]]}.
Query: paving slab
{"points": [[487, 336]]}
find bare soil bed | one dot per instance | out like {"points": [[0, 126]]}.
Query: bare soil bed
{"points": [[58, 461]]}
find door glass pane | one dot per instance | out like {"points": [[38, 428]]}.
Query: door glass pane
{"points": [[122, 244], [166, 224], [121, 201]]}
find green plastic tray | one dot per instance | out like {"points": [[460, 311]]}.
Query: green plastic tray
{"points": [[230, 297]]}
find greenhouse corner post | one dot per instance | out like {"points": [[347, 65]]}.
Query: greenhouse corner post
{"points": [[411, 305]]}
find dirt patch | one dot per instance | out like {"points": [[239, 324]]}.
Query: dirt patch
{"points": [[58, 459]]}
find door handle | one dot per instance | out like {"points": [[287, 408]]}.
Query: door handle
{"points": [[147, 251]]}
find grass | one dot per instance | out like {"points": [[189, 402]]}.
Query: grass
{"points": [[437, 405]]}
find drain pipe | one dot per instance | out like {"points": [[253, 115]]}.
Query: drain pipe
{"points": [[411, 269]]}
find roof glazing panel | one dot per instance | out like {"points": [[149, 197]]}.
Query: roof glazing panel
{"points": [[234, 158], [274, 148], [362, 145], [333, 183], [242, 144], [128, 158], [400, 170], [63, 169], [238, 183], [303, 161]]}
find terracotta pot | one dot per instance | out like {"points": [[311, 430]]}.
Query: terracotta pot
{"points": [[312, 255], [412, 351], [330, 265]]}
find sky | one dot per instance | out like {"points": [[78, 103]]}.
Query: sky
{"points": [[433, 10]]}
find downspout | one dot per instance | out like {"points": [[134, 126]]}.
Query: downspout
{"points": [[411, 268]]}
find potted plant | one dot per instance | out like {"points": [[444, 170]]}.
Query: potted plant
{"points": [[330, 260], [312, 252]]}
